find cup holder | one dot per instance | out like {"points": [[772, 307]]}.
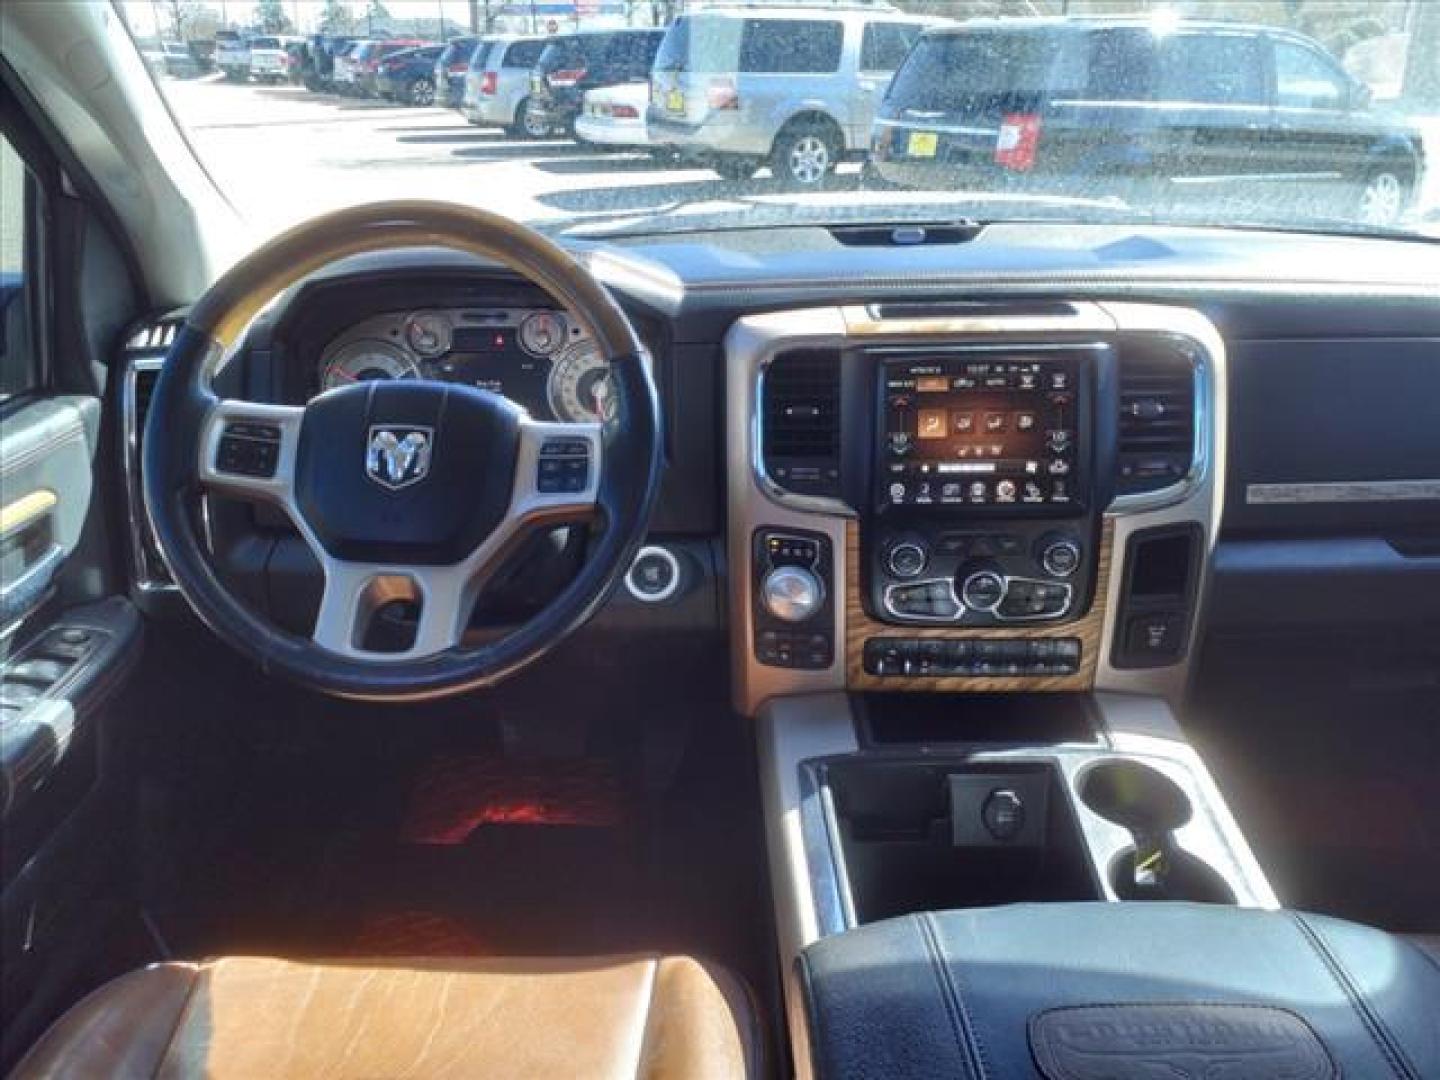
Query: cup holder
{"points": [[1134, 796], [1151, 807]]}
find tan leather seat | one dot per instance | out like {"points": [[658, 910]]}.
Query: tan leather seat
{"points": [[659, 1018]]}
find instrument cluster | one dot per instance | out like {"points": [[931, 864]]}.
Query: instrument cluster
{"points": [[537, 357]]}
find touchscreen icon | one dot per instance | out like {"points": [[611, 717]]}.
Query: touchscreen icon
{"points": [[1025, 421], [932, 424], [964, 422], [995, 421]]}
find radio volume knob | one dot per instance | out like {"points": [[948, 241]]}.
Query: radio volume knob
{"points": [[792, 593], [983, 590], [1059, 555], [907, 558]]}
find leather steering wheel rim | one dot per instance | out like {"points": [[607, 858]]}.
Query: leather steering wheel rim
{"points": [[186, 420]]}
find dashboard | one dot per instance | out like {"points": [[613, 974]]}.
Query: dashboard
{"points": [[1052, 458], [537, 357]]}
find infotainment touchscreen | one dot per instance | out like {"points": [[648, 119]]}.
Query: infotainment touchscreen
{"points": [[961, 430]]}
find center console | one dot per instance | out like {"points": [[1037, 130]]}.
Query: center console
{"points": [[985, 483], [968, 551]]}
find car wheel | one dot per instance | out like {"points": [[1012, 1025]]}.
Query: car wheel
{"points": [[528, 123], [804, 157], [1383, 197], [422, 92], [735, 170]]}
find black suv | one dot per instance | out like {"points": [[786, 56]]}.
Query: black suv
{"points": [[1155, 113], [574, 63]]}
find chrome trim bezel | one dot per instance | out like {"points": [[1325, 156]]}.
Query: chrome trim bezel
{"points": [[1201, 365], [664, 594], [139, 520]]}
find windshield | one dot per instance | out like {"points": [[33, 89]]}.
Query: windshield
{"points": [[1314, 115]]}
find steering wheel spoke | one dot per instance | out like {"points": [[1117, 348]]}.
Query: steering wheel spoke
{"points": [[247, 449], [557, 473]]}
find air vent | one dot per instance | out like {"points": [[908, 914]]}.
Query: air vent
{"points": [[801, 416], [907, 234], [1157, 420], [153, 338]]}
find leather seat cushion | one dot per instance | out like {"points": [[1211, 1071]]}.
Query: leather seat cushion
{"points": [[659, 1018]]}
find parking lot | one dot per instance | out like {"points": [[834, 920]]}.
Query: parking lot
{"points": [[284, 154], [290, 153]]}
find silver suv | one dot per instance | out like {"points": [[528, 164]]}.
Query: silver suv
{"points": [[734, 88], [497, 86]]}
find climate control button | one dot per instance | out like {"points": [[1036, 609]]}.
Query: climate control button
{"points": [[1059, 555]]}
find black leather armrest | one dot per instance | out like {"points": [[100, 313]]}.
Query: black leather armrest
{"points": [[1115, 991]]}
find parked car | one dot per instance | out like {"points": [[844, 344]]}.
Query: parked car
{"points": [[367, 57], [450, 70], [270, 60], [409, 75], [342, 78], [1250, 113], [232, 55], [614, 116], [497, 86], [797, 87], [573, 64], [179, 62]]}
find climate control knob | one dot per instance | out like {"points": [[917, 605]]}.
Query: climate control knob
{"points": [[1059, 555], [792, 593], [982, 590], [907, 558]]}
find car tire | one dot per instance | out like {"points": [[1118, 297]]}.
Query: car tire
{"points": [[422, 93], [1383, 197], [734, 170], [805, 156], [527, 125]]}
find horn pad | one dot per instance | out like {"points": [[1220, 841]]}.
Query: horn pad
{"points": [[412, 473]]}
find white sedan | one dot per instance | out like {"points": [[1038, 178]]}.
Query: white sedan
{"points": [[614, 116]]}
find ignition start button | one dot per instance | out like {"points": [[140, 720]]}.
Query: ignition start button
{"points": [[654, 575]]}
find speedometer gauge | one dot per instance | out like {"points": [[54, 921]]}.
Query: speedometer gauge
{"points": [[579, 387], [363, 360], [542, 333]]}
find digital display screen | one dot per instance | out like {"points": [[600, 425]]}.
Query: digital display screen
{"points": [[961, 431]]}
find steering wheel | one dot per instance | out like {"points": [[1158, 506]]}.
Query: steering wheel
{"points": [[410, 491]]}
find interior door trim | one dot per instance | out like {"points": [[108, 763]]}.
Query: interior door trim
{"points": [[27, 509]]}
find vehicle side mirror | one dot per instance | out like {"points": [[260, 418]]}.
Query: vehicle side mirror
{"points": [[1361, 96]]}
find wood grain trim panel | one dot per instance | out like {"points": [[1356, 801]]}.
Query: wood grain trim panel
{"points": [[860, 627]]}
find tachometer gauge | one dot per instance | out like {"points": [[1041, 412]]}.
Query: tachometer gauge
{"points": [[362, 360], [542, 333], [428, 333], [579, 387]]}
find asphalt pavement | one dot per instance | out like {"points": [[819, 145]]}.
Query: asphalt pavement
{"points": [[284, 154]]}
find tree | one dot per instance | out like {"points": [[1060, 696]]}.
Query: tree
{"points": [[336, 18], [376, 9], [191, 20], [270, 17]]}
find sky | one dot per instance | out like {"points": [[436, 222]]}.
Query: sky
{"points": [[141, 13]]}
